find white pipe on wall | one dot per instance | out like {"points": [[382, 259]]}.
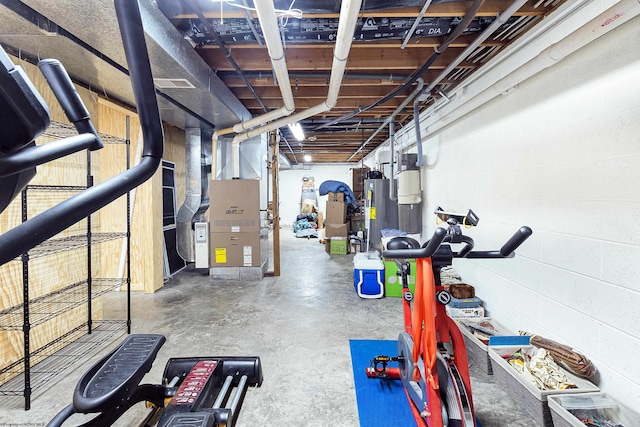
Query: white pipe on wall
{"points": [[501, 19], [577, 22], [600, 25]]}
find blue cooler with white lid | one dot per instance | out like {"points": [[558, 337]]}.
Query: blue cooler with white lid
{"points": [[368, 275]]}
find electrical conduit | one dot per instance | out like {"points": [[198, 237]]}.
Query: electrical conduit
{"points": [[600, 25]]}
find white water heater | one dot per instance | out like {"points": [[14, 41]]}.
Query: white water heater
{"points": [[409, 194]]}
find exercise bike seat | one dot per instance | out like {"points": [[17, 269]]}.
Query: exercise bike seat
{"points": [[114, 379], [402, 242]]}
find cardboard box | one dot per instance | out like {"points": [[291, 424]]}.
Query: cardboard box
{"points": [[320, 220], [358, 175], [234, 206], [308, 206], [336, 230], [336, 213], [336, 246], [393, 282], [465, 312], [335, 197], [308, 182], [235, 249]]}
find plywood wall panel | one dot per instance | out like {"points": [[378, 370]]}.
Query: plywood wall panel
{"points": [[146, 226]]}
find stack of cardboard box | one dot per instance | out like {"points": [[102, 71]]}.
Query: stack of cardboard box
{"points": [[235, 223], [358, 175], [336, 226]]}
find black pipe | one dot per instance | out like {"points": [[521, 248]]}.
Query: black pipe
{"points": [[295, 75], [25, 236], [227, 53], [418, 73]]}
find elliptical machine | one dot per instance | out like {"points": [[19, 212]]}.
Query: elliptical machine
{"points": [[200, 391], [432, 358]]}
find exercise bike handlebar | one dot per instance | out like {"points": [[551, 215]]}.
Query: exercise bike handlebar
{"points": [[442, 235], [508, 249], [426, 251]]}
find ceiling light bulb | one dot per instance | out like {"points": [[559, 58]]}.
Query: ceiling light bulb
{"points": [[307, 158]]}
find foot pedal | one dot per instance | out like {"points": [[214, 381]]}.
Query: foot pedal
{"points": [[201, 419], [113, 380], [212, 386]]}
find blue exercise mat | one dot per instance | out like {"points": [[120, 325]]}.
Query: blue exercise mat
{"points": [[381, 403]]}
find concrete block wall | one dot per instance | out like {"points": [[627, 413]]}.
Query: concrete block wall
{"points": [[560, 153]]}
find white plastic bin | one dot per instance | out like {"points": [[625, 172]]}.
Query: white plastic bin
{"points": [[477, 350], [567, 410], [523, 392]]}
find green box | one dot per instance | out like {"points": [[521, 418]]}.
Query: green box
{"points": [[393, 282], [337, 246]]}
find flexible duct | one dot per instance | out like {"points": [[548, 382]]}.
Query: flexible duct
{"points": [[346, 28], [184, 240]]}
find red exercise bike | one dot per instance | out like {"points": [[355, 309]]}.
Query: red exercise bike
{"points": [[432, 357]]}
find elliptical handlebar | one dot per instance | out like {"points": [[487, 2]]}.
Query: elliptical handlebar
{"points": [[20, 239], [68, 98]]}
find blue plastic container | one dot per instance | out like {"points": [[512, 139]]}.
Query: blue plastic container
{"points": [[368, 275]]}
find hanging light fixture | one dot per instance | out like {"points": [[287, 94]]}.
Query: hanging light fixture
{"points": [[297, 131]]}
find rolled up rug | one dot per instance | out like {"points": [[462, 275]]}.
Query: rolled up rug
{"points": [[567, 357]]}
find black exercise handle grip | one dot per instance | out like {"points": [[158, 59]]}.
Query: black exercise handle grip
{"points": [[516, 240], [68, 97], [426, 251]]}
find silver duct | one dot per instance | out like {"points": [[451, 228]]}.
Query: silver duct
{"points": [[206, 159], [185, 238]]}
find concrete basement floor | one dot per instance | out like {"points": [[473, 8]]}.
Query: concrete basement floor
{"points": [[299, 324]]}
